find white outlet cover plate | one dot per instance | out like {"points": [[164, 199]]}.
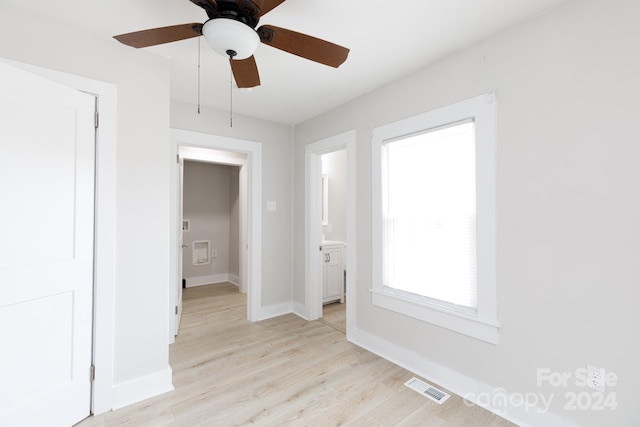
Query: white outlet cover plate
{"points": [[601, 375]]}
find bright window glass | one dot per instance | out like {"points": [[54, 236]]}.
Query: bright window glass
{"points": [[429, 215], [433, 218]]}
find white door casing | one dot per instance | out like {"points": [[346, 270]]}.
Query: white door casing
{"points": [[313, 229], [47, 137], [251, 228], [178, 278]]}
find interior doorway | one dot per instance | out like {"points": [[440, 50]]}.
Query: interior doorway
{"points": [[211, 222], [212, 218], [247, 156], [334, 237], [319, 230]]}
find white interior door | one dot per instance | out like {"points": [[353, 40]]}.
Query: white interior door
{"points": [[47, 140]]}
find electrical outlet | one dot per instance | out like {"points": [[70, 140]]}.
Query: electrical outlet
{"points": [[595, 378]]}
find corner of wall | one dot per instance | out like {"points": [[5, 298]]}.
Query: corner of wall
{"points": [[300, 310], [275, 310]]}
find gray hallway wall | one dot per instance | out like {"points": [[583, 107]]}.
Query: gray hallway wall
{"points": [[211, 205]]}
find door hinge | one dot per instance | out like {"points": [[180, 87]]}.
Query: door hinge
{"points": [[96, 120], [178, 158], [176, 310], [92, 374]]}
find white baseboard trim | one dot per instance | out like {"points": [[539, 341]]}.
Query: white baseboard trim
{"points": [[470, 389], [136, 390], [233, 279], [275, 310], [300, 310], [191, 282]]}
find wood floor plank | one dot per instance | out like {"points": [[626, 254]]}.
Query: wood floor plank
{"points": [[334, 315], [392, 411], [318, 383], [284, 371], [423, 416]]}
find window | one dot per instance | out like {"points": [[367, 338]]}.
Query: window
{"points": [[434, 196], [429, 216]]}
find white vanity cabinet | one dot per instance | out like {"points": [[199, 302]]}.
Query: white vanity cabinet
{"points": [[332, 271]]}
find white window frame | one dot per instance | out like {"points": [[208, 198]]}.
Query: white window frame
{"points": [[484, 323]]}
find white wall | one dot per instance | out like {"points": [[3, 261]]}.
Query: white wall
{"points": [[140, 364], [567, 211], [335, 166], [276, 139]]}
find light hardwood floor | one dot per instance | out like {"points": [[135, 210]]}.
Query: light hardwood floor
{"points": [[280, 372], [335, 315]]}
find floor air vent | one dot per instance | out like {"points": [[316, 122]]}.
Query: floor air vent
{"points": [[428, 390]]}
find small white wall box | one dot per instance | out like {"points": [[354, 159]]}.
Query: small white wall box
{"points": [[201, 252]]}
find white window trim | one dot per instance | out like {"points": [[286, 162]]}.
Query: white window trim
{"points": [[484, 325]]}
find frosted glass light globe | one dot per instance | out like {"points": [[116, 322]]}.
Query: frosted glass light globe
{"points": [[228, 35]]}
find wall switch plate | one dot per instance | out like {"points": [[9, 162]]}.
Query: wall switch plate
{"points": [[271, 206], [214, 253], [595, 378]]}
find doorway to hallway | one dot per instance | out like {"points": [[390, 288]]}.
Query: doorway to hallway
{"points": [[247, 157], [211, 205]]}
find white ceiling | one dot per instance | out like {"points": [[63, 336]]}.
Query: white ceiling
{"points": [[388, 40]]}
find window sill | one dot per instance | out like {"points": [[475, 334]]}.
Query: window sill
{"points": [[482, 329]]}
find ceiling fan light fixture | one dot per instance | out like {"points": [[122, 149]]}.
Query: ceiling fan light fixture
{"points": [[228, 35]]}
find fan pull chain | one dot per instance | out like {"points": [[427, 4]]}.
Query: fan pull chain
{"points": [[199, 75], [231, 95]]}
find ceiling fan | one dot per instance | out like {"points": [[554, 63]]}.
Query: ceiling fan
{"points": [[231, 31]]}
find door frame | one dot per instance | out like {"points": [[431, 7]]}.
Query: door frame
{"points": [[253, 151], [104, 228], [313, 234], [213, 157]]}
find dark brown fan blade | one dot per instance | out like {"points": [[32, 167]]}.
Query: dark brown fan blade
{"points": [[308, 47], [265, 5], [245, 71], [160, 35], [205, 4]]}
